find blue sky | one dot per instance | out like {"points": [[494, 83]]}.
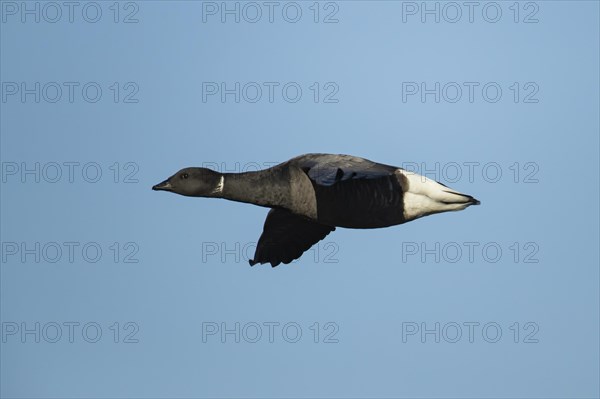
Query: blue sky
{"points": [[133, 293]]}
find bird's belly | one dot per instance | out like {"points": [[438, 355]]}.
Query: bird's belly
{"points": [[363, 218], [361, 213]]}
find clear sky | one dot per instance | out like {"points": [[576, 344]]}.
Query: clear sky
{"points": [[111, 290]]}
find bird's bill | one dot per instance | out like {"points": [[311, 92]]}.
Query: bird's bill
{"points": [[164, 186]]}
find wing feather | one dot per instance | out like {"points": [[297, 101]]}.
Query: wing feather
{"points": [[327, 170], [286, 237]]}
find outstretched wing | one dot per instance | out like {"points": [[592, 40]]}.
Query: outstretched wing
{"points": [[286, 236]]}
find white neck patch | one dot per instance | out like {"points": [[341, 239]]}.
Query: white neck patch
{"points": [[220, 186]]}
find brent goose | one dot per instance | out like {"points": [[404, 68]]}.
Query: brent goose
{"points": [[312, 194]]}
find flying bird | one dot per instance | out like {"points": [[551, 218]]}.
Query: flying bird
{"points": [[312, 194]]}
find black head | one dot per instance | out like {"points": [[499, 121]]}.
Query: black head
{"points": [[193, 182]]}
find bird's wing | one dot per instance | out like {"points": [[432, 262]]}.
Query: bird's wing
{"points": [[286, 236], [327, 170]]}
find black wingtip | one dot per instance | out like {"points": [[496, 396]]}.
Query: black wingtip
{"points": [[274, 263]]}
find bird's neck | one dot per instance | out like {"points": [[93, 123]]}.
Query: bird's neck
{"points": [[269, 188]]}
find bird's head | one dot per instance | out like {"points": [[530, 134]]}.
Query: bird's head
{"points": [[193, 182]]}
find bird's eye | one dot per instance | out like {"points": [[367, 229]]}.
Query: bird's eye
{"points": [[184, 175]]}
